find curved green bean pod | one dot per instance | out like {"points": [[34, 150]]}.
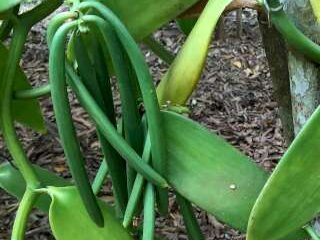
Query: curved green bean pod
{"points": [[103, 169], [148, 213], [127, 89], [147, 90], [36, 92], [109, 131], [65, 124], [295, 38], [96, 82], [56, 22]]}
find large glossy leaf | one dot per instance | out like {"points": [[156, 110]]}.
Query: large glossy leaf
{"points": [[142, 17], [12, 181], [291, 196], [211, 173], [7, 4], [69, 219], [24, 111]]}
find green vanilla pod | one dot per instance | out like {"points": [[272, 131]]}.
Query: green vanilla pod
{"points": [[64, 121], [128, 94], [95, 82], [148, 92], [109, 131], [56, 22]]}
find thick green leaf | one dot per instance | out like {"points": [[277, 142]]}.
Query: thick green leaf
{"points": [[26, 111], [69, 219], [208, 171], [7, 4], [12, 181], [211, 173], [291, 196], [142, 17]]}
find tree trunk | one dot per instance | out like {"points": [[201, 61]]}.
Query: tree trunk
{"points": [[277, 56], [304, 75]]}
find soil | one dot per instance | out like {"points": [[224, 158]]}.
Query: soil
{"points": [[234, 99]]}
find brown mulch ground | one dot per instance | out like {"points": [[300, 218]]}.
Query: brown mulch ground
{"points": [[234, 99]]}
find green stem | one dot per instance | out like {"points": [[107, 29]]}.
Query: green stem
{"points": [[6, 118], [100, 177], [149, 213], [25, 207], [56, 22], [37, 92], [295, 38], [190, 221], [159, 50], [137, 188]]}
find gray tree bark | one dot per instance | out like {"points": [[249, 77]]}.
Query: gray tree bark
{"points": [[304, 75], [277, 56]]}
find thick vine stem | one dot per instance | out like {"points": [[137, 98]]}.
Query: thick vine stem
{"points": [[148, 92], [25, 207], [6, 118], [64, 120]]}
